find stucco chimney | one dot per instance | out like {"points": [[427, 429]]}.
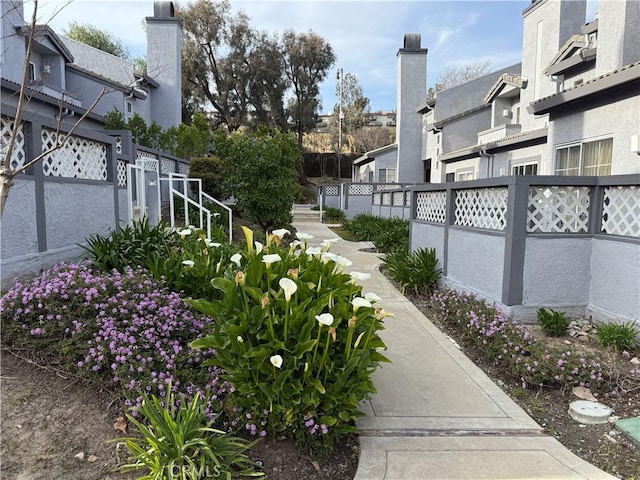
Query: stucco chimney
{"points": [[411, 92], [164, 64]]}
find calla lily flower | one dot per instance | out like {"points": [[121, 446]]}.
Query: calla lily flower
{"points": [[216, 214], [236, 258], [342, 261], [183, 233], [313, 251], [211, 244], [327, 243], [355, 276], [296, 243], [360, 302], [272, 258], [276, 361], [259, 248], [325, 319], [303, 236], [326, 257], [248, 235], [192, 227], [188, 263], [240, 339], [372, 297], [281, 232], [288, 286]]}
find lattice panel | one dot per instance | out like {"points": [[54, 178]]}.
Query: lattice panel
{"points": [[377, 198], [398, 198], [621, 211], [167, 165], [149, 164], [407, 198], [481, 208], [183, 168], [142, 154], [386, 198], [122, 173], [18, 156], [431, 206], [78, 158], [558, 209], [387, 186], [119, 145], [360, 189], [331, 190]]}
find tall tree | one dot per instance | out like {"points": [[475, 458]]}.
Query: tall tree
{"points": [[354, 104], [454, 76], [97, 38], [307, 60]]}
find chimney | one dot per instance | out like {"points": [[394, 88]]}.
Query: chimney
{"points": [[12, 42], [412, 92], [164, 64]]}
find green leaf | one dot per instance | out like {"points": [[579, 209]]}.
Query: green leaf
{"points": [[302, 348], [221, 283], [316, 383], [258, 352]]}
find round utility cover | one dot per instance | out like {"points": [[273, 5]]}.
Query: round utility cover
{"points": [[588, 412]]}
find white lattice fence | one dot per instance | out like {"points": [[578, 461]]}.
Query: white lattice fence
{"points": [[481, 208], [388, 186], [407, 198], [167, 165], [78, 158], [386, 198], [398, 198], [360, 189], [431, 206], [18, 156], [621, 211], [122, 173], [183, 168], [377, 198], [331, 190], [558, 209], [119, 145]]}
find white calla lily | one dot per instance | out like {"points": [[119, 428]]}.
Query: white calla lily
{"points": [[276, 361], [313, 251], [372, 297], [211, 244], [288, 286], [184, 232], [236, 258], [272, 258], [280, 232], [325, 319], [303, 236], [327, 257], [342, 261], [360, 302], [259, 247], [188, 263], [355, 276]]}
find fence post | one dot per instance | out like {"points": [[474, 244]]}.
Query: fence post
{"points": [[515, 240]]}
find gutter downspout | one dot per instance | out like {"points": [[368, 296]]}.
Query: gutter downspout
{"points": [[483, 153]]}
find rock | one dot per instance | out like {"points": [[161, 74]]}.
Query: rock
{"points": [[583, 338], [567, 342], [613, 433], [610, 438], [18, 425], [584, 393], [582, 334], [626, 354], [79, 456], [573, 323], [573, 333], [614, 418], [92, 458], [635, 361]]}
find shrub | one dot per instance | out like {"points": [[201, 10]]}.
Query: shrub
{"points": [[553, 323], [333, 215], [387, 234], [417, 271], [209, 169], [121, 328], [177, 442], [261, 172], [296, 340], [619, 336]]}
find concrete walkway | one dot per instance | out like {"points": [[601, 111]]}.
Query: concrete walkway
{"points": [[437, 415]]}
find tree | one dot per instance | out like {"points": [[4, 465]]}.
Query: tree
{"points": [[97, 38], [307, 60], [230, 65], [354, 104], [261, 171], [7, 171], [454, 76], [366, 139]]}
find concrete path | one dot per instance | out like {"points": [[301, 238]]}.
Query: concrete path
{"points": [[436, 415]]}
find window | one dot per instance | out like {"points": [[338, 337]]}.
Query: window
{"points": [[516, 114], [32, 72], [589, 158], [524, 169], [450, 177], [387, 175], [129, 107], [461, 176]]}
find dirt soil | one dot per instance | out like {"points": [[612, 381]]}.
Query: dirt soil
{"points": [[54, 426]]}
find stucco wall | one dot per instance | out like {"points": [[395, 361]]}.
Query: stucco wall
{"points": [[123, 206], [463, 132], [600, 122], [18, 231], [358, 204], [332, 201], [556, 271], [76, 211], [425, 235], [615, 279], [478, 272]]}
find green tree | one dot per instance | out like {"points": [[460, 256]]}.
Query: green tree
{"points": [[354, 104], [307, 60], [97, 38], [261, 172]]}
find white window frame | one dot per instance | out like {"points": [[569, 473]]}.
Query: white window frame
{"points": [[386, 171], [580, 145], [523, 165], [463, 175]]}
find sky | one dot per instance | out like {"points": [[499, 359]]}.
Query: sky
{"points": [[364, 34]]}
